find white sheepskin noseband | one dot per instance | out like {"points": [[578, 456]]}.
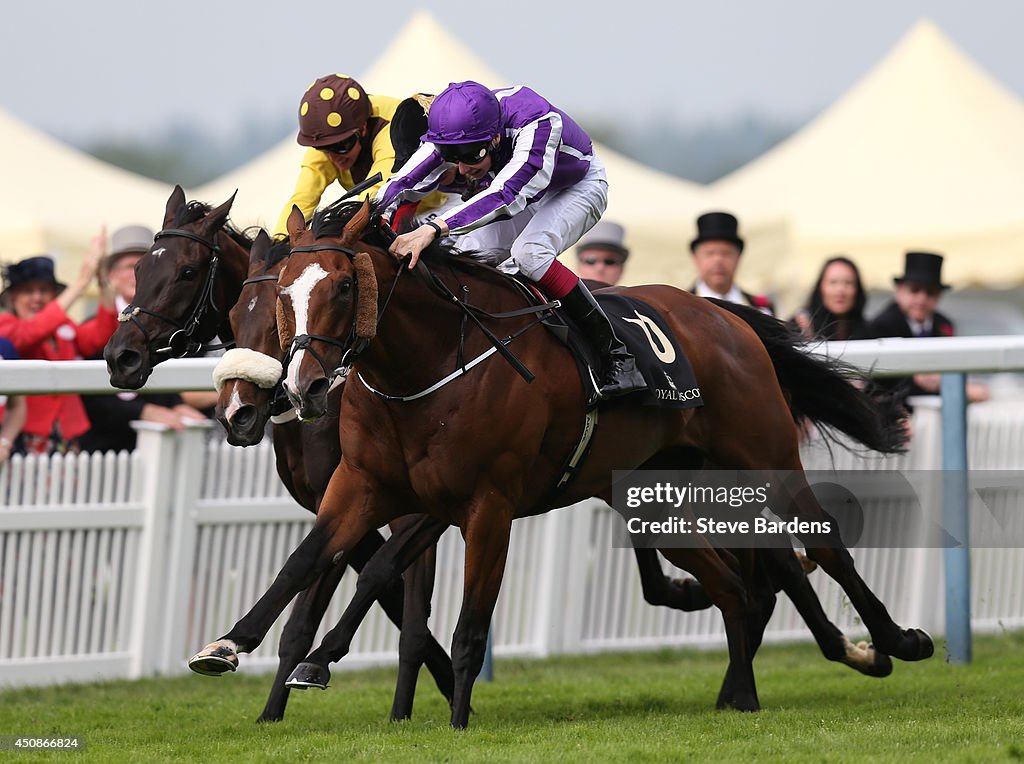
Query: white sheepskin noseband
{"points": [[247, 364]]}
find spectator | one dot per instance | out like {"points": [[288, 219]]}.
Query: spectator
{"points": [[913, 313], [716, 255], [13, 408], [601, 254], [38, 326], [835, 309], [111, 415]]}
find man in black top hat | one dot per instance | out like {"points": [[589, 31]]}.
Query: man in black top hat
{"points": [[716, 255], [913, 313]]}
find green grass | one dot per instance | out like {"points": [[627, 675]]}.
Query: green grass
{"points": [[639, 706]]}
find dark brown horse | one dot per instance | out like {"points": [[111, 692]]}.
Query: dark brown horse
{"points": [[191, 277], [482, 451]]}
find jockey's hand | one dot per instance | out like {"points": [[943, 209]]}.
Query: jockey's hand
{"points": [[414, 242]]}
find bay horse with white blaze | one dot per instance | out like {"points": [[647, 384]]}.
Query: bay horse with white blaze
{"points": [[481, 453]]}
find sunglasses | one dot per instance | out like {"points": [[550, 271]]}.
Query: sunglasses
{"points": [[343, 147], [601, 260], [466, 153]]}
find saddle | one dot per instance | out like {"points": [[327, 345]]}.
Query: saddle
{"points": [[671, 382]]}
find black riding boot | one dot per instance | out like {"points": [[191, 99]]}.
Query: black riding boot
{"points": [[618, 374]]}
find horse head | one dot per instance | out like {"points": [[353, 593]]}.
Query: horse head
{"points": [[194, 268], [327, 291], [248, 376]]}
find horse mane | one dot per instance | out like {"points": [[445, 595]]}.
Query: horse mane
{"points": [[279, 250], [331, 221], [194, 211]]}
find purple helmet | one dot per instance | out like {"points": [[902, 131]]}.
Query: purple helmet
{"points": [[465, 112]]}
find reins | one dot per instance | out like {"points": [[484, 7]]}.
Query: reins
{"points": [[181, 342]]}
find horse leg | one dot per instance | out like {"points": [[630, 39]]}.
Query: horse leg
{"points": [[395, 600], [677, 593], [297, 637], [786, 568], [836, 560], [397, 554], [303, 566], [761, 604], [728, 592], [412, 642], [487, 537]]}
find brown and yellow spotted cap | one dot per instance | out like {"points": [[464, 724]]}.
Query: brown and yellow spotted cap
{"points": [[332, 108]]}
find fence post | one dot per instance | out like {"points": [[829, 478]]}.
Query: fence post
{"points": [[955, 517], [156, 450], [184, 516]]}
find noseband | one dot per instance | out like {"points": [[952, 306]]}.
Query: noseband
{"points": [[181, 342]]}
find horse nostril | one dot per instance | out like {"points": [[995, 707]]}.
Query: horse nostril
{"points": [[128, 361], [318, 389], [244, 417]]}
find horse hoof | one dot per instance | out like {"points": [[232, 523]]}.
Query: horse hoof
{"points": [[925, 644], [308, 675], [881, 667], [213, 660], [739, 703]]}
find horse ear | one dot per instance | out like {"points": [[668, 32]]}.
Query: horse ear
{"points": [[296, 223], [174, 203], [354, 227], [218, 216], [260, 247]]}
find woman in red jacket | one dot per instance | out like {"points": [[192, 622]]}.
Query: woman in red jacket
{"points": [[37, 324]]}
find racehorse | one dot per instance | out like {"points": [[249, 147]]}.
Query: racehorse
{"points": [[195, 270], [249, 391], [478, 456]]}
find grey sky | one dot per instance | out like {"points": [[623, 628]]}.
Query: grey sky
{"points": [[124, 67]]}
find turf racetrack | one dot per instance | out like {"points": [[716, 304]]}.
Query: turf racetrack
{"points": [[637, 706]]}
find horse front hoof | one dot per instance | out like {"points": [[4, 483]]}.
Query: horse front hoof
{"points": [[214, 659], [308, 675]]}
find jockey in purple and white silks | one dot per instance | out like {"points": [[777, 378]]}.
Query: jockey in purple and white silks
{"points": [[534, 188]]}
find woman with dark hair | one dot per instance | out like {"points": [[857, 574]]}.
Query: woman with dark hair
{"points": [[835, 309]]}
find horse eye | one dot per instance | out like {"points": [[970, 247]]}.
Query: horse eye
{"points": [[345, 286], [189, 273]]}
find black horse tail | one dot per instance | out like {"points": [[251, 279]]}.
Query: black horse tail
{"points": [[820, 390]]}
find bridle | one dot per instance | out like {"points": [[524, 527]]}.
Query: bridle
{"points": [[181, 342], [353, 346]]}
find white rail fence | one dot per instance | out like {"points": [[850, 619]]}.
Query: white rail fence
{"points": [[118, 566]]}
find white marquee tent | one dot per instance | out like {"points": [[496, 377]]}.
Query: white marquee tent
{"points": [[925, 152], [657, 209], [53, 198]]}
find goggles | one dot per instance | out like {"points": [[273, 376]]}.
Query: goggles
{"points": [[601, 260], [466, 153], [343, 147]]}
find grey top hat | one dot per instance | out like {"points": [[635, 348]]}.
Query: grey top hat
{"points": [[128, 240], [604, 235]]}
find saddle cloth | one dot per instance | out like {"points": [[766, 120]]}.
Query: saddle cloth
{"points": [[671, 382], [666, 369]]}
